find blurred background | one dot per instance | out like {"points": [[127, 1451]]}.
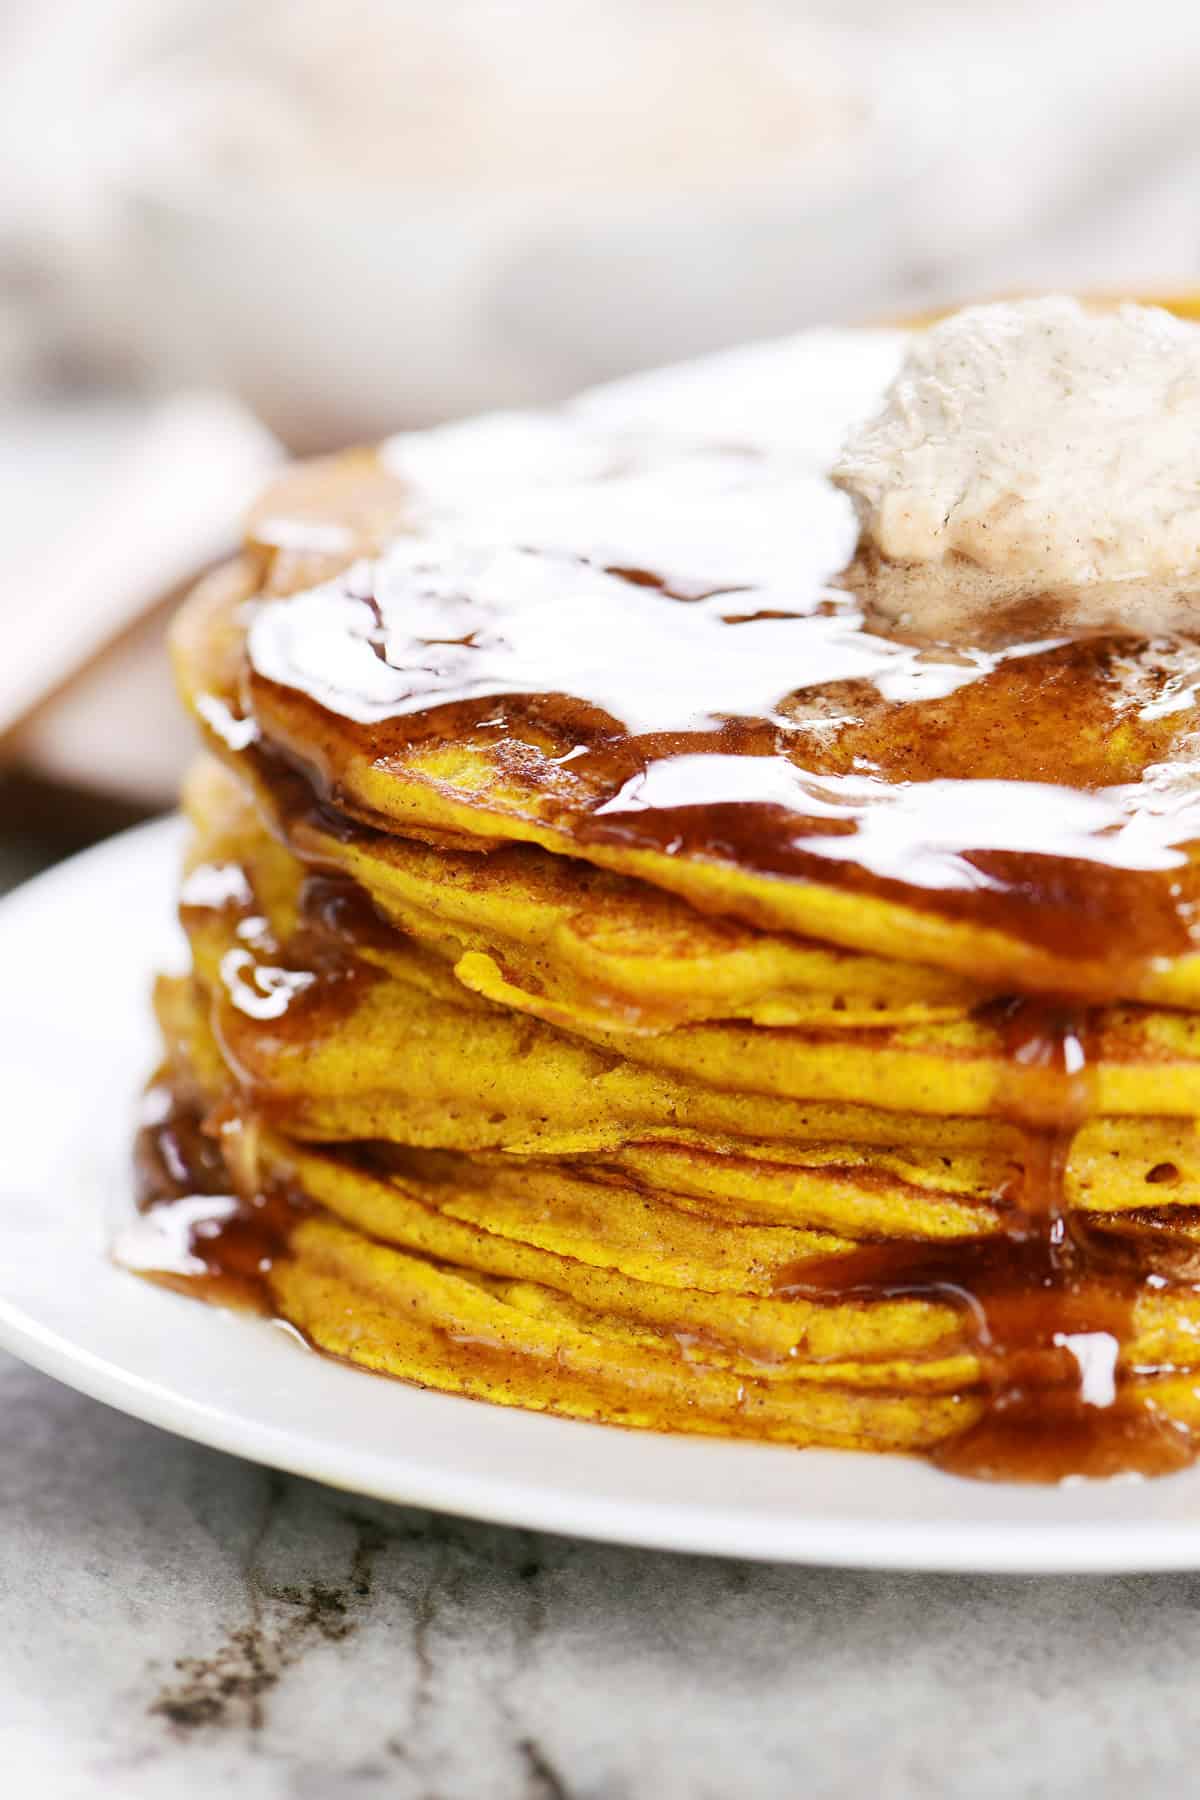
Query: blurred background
{"points": [[232, 230]]}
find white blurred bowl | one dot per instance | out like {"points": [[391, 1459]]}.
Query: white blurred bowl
{"points": [[343, 316]]}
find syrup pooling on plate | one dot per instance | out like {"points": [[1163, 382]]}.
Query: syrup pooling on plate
{"points": [[193, 1231]]}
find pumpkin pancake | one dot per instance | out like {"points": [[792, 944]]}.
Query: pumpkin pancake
{"points": [[367, 996], [561, 939], [637, 972]]}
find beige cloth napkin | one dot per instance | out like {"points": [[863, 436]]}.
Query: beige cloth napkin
{"points": [[85, 692]]}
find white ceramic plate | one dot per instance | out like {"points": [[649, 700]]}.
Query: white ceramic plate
{"points": [[77, 951]]}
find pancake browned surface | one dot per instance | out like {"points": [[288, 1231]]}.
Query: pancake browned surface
{"points": [[626, 985]]}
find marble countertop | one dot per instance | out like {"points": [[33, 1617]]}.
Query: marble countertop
{"points": [[175, 1624]]}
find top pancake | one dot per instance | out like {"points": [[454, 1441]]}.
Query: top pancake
{"points": [[618, 633]]}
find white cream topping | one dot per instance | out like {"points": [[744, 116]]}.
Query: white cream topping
{"points": [[795, 397], [710, 477], [1044, 443]]}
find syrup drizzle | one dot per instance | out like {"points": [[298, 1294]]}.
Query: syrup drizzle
{"points": [[195, 1230], [1051, 1339], [1048, 1304]]}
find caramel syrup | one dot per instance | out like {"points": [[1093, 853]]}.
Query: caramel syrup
{"points": [[1052, 1333], [197, 1232], [1048, 1303]]}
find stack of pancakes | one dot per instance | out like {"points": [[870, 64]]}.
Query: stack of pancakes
{"points": [[714, 1068]]}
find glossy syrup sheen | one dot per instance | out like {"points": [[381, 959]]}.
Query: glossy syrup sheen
{"points": [[653, 636], [194, 1232], [668, 647], [1048, 1305]]}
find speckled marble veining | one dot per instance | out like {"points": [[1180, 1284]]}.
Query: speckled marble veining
{"points": [[175, 1623]]}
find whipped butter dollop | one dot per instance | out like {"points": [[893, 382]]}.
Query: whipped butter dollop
{"points": [[1046, 445]]}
